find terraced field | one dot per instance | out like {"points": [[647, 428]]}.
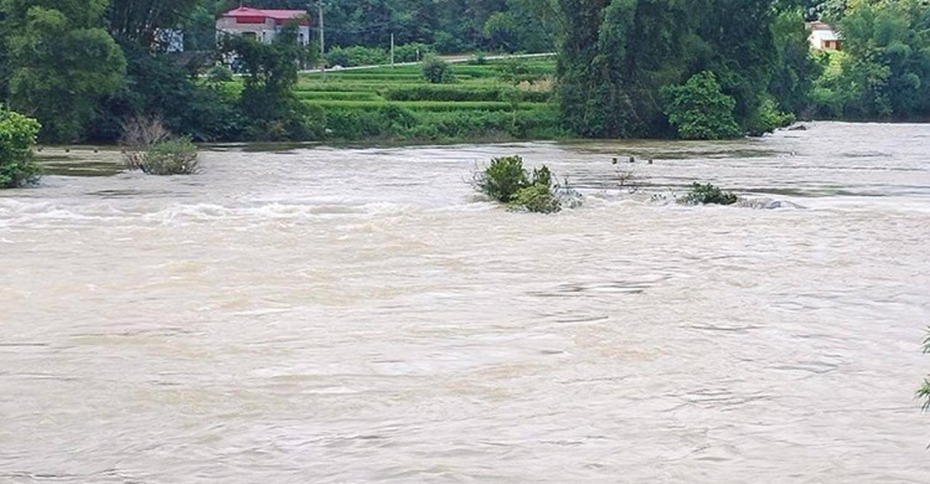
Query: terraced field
{"points": [[508, 99]]}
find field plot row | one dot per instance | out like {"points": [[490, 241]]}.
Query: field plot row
{"points": [[511, 99]]}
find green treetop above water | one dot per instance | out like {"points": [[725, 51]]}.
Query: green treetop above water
{"points": [[62, 61], [17, 136]]}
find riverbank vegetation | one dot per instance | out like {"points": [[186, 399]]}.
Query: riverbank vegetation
{"points": [[17, 137], [618, 58], [883, 70], [648, 69], [625, 68], [83, 68]]}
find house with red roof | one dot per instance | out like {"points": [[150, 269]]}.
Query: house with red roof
{"points": [[263, 24]]}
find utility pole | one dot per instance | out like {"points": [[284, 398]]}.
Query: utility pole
{"points": [[392, 49], [322, 39]]}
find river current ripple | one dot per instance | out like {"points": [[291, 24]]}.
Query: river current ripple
{"points": [[352, 315]]}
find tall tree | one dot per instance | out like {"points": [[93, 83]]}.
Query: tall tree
{"points": [[62, 61], [139, 21], [271, 73], [616, 55], [887, 64], [792, 79]]}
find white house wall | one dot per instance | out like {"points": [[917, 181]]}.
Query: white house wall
{"points": [[266, 32]]}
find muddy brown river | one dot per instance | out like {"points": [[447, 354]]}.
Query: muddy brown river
{"points": [[353, 315]]}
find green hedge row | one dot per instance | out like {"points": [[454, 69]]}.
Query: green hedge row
{"points": [[398, 123], [337, 95], [453, 93], [436, 106]]}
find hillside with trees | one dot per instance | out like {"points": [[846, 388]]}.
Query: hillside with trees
{"points": [[883, 71], [626, 68], [84, 68]]}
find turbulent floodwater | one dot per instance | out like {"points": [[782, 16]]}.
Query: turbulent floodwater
{"points": [[343, 315]]}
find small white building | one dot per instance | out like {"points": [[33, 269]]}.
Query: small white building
{"points": [[823, 37], [263, 24]]}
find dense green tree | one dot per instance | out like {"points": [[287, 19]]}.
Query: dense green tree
{"points": [[17, 137], [792, 80], [884, 69], [200, 28], [164, 86], [271, 72], [139, 20], [616, 55], [887, 64], [698, 109], [448, 25], [517, 29], [5, 60], [158, 86], [62, 62]]}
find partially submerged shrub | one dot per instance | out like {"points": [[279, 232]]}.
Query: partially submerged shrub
{"points": [[506, 181], [707, 194], [503, 178], [172, 157], [150, 148], [537, 198], [17, 136]]}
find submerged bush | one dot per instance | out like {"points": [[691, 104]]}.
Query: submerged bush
{"points": [[171, 157], [707, 194], [150, 148], [537, 198], [503, 178], [17, 136], [506, 181]]}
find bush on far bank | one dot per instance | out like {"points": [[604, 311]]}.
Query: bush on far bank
{"points": [[17, 137]]}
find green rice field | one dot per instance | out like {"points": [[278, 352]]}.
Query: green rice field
{"points": [[505, 99]]}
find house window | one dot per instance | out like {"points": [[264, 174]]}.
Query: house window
{"points": [[250, 35]]}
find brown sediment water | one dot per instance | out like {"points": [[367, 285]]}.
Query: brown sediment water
{"points": [[353, 315]]}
